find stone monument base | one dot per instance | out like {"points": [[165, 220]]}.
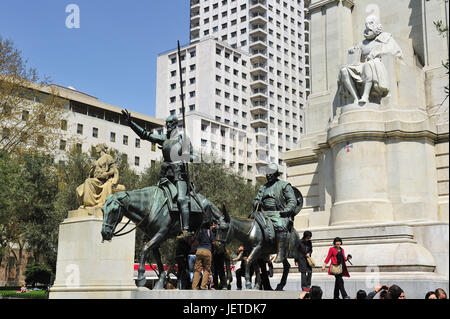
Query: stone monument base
{"points": [[88, 268], [414, 284], [145, 293]]}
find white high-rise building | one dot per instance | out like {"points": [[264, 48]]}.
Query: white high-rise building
{"points": [[245, 80]]}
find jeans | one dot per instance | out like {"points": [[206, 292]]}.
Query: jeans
{"points": [[191, 263], [339, 286], [306, 279]]}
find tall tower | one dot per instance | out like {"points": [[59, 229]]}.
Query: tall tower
{"points": [[265, 95]]}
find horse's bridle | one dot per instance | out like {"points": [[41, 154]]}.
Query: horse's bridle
{"points": [[117, 233], [228, 233]]}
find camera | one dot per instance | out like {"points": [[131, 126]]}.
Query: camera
{"points": [[384, 287]]}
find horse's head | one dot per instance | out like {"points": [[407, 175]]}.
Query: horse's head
{"points": [[112, 215], [223, 223]]}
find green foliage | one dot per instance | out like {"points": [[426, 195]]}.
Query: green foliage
{"points": [[39, 294], [38, 274]]}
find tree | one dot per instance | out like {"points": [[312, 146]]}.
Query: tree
{"points": [[31, 113], [38, 274]]}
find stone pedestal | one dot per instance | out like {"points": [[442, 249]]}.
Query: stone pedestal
{"points": [[384, 166], [88, 268]]}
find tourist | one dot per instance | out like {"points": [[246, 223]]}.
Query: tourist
{"points": [[395, 292], [337, 267], [430, 295], [440, 293], [383, 294], [242, 256], [218, 263], [378, 288], [304, 253], [22, 289], [193, 244], [205, 239], [361, 294], [315, 293]]}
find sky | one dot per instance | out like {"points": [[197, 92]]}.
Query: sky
{"points": [[112, 55]]}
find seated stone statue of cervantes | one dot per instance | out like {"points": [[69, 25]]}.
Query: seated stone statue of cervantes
{"points": [[102, 181], [366, 76]]}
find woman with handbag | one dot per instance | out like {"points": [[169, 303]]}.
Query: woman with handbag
{"points": [[337, 267], [304, 261]]}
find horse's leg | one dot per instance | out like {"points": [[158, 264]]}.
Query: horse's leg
{"points": [[286, 267], [257, 275], [255, 254], [140, 281], [162, 274], [154, 242]]}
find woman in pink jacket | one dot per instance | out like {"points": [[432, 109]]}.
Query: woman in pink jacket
{"points": [[337, 256]]}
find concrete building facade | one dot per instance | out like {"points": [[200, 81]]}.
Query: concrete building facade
{"points": [[246, 80], [92, 122]]}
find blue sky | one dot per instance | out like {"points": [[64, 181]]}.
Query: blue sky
{"points": [[111, 56]]}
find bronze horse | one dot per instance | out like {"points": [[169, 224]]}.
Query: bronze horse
{"points": [[248, 232], [149, 210]]}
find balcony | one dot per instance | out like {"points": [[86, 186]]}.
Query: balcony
{"points": [[195, 13], [258, 56], [260, 131], [259, 95], [258, 82], [259, 121], [260, 177], [262, 147], [258, 6], [195, 34], [262, 160], [258, 18], [258, 43], [195, 5], [259, 107], [195, 27], [258, 30]]}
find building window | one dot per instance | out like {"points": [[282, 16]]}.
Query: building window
{"points": [[203, 142], [64, 125], [40, 140], [192, 107], [80, 128], [136, 160], [138, 143], [79, 147], [25, 115], [112, 137], [125, 140], [95, 132], [62, 145]]}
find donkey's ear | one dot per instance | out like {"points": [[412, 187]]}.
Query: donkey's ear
{"points": [[225, 214]]}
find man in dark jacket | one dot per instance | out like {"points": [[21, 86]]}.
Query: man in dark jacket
{"points": [[305, 251]]}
